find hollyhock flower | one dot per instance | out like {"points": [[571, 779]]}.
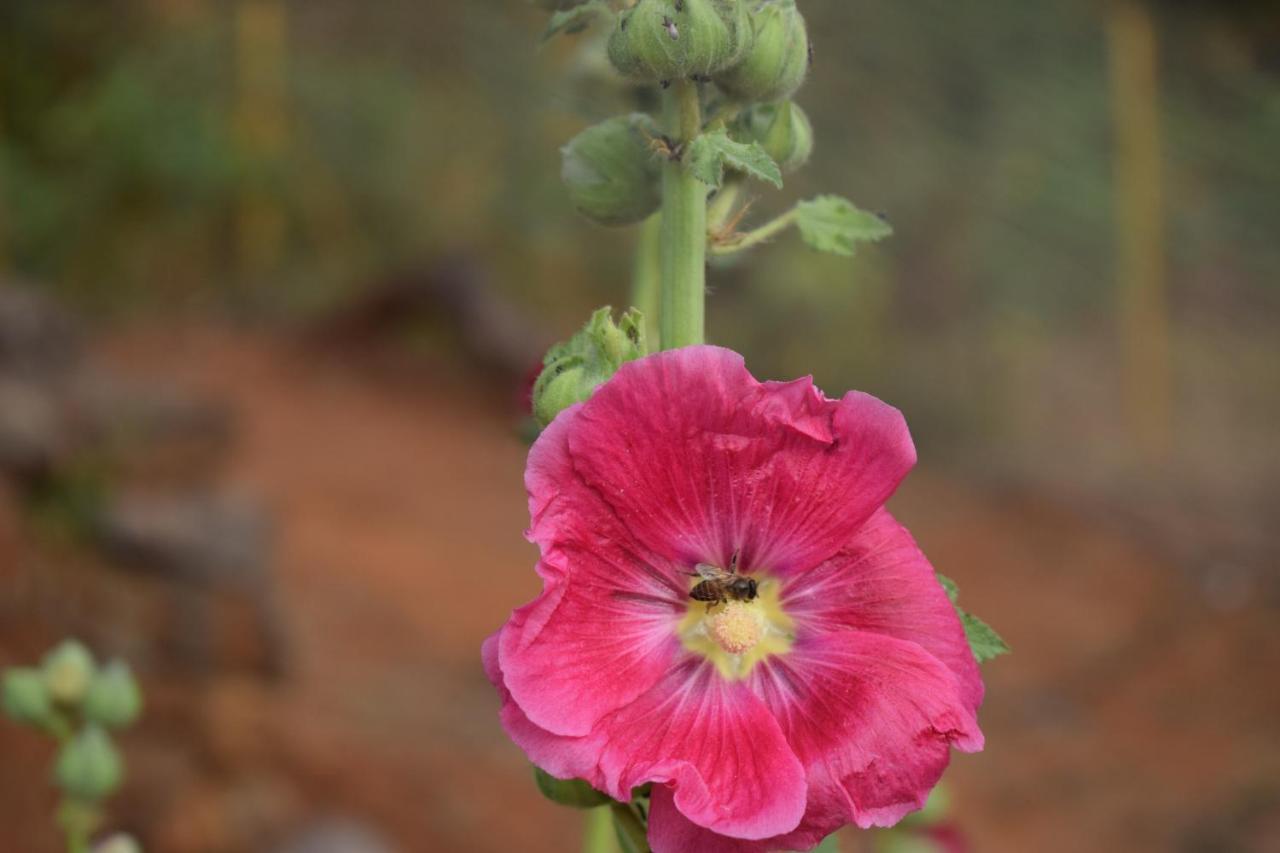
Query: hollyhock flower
{"points": [[832, 696]]}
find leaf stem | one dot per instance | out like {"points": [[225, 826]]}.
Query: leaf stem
{"points": [[684, 227], [770, 229]]}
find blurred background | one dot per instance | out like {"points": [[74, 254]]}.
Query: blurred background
{"points": [[274, 274]]}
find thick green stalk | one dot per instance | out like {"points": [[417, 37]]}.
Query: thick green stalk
{"points": [[684, 227], [646, 279], [599, 836]]}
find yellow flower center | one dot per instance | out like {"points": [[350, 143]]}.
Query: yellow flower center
{"points": [[736, 635]]}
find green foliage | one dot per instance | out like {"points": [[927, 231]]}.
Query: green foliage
{"points": [[612, 176], [88, 765], [984, 642], [829, 223], [574, 793], [713, 151], [25, 698], [68, 670], [576, 19], [114, 698]]}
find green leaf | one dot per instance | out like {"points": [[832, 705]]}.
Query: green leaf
{"points": [[712, 152], [574, 793], [983, 640], [830, 844], [833, 224], [575, 20]]}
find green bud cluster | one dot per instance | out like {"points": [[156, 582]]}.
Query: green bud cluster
{"points": [[572, 370], [674, 39], [72, 699], [611, 173]]}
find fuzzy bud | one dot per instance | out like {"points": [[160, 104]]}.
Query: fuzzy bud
{"points": [[89, 767], [25, 698], [783, 130], [113, 699], [675, 39], [573, 369], [778, 60], [612, 175], [68, 671]]}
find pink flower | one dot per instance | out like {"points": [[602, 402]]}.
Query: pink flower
{"points": [[831, 697]]}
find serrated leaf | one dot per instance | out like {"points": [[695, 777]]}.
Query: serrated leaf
{"points": [[953, 591], [575, 20], [833, 224], [983, 640], [712, 152]]}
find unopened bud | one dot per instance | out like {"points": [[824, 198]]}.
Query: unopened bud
{"points": [[113, 699], [121, 842], [675, 39], [573, 369], [612, 175], [88, 766], [68, 670], [25, 698], [783, 130], [778, 60]]}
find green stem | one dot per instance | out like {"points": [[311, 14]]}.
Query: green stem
{"points": [[684, 227], [632, 837], [646, 278], [758, 235], [599, 836]]}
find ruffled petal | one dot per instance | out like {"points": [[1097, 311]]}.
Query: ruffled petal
{"points": [[603, 631], [718, 748], [872, 718], [562, 757], [700, 460], [882, 583]]}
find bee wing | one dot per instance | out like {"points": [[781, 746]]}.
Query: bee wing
{"points": [[708, 572]]}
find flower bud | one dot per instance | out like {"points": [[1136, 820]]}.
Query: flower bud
{"points": [[675, 39], [68, 670], [25, 698], [573, 369], [113, 699], [778, 60], [88, 766], [612, 175], [783, 130], [568, 792]]}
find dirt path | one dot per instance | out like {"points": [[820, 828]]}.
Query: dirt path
{"points": [[1131, 717]]}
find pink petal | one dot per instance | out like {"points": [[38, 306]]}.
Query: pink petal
{"points": [[699, 459], [716, 745], [562, 757], [603, 631], [872, 718], [882, 583]]}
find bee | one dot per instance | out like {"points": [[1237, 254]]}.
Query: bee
{"points": [[671, 28], [719, 586]]}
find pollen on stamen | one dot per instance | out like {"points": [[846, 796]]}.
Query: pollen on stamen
{"points": [[736, 627]]}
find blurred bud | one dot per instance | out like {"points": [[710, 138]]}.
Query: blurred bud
{"points": [[783, 130], [25, 698], [612, 176], [68, 670], [88, 766], [568, 792], [675, 39], [121, 842], [574, 368], [778, 60], [113, 699]]}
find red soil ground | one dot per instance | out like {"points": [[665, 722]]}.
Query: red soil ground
{"points": [[1132, 716]]}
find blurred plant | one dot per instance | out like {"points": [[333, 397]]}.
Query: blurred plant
{"points": [[73, 700]]}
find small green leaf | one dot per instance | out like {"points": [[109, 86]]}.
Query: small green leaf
{"points": [[712, 152], [983, 640], [568, 792], [830, 223], [575, 20], [830, 844]]}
